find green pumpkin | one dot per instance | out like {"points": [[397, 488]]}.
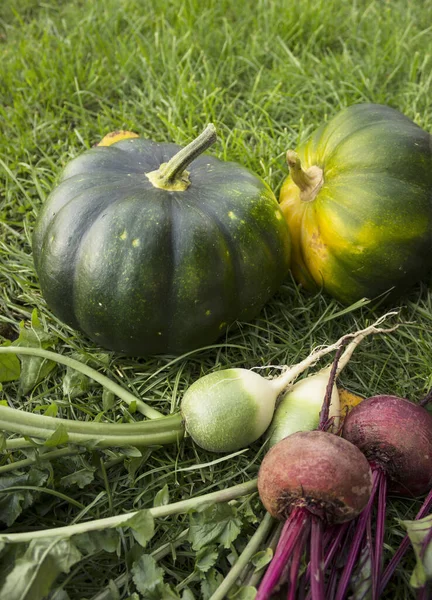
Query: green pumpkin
{"points": [[358, 202], [145, 257]]}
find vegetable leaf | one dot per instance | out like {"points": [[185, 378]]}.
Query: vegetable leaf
{"points": [[94, 541], [108, 399], [206, 559], [146, 574], [261, 559], [13, 503], [210, 584], [75, 383], [420, 534], [162, 497], [245, 593], [33, 368], [142, 526], [216, 524], [148, 578], [10, 367], [59, 437], [35, 571], [81, 478]]}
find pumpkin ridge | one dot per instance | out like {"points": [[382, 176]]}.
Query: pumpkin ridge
{"points": [[69, 266], [236, 270]]}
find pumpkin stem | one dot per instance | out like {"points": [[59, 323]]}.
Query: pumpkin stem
{"points": [[172, 175], [309, 181]]}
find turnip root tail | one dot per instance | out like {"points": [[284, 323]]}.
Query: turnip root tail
{"points": [[290, 375]]}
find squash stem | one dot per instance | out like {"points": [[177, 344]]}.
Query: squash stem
{"points": [[310, 181], [113, 387], [172, 175]]}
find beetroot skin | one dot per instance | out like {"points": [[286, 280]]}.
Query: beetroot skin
{"points": [[395, 435], [318, 471]]}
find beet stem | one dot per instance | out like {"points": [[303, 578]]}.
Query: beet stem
{"points": [[371, 551], [324, 414], [291, 532], [424, 592], [296, 561], [400, 552], [357, 539], [316, 559], [427, 399], [337, 533], [337, 564], [379, 536], [335, 543]]}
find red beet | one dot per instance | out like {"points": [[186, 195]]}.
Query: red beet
{"points": [[318, 471], [310, 479], [395, 435]]}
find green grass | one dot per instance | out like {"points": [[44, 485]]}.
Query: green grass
{"points": [[266, 73]]}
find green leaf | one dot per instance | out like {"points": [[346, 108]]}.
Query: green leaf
{"points": [[59, 595], [81, 478], [420, 535], [148, 578], [131, 451], [52, 410], [210, 584], [35, 572], [162, 497], [13, 503], [244, 593], [108, 399], [90, 542], [59, 437], [216, 524], [206, 559], [33, 368], [142, 526], [261, 559], [114, 591], [147, 575], [75, 383], [10, 366]]}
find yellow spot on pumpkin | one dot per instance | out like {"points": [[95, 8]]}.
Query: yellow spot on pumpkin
{"points": [[135, 243], [222, 325], [123, 235], [232, 215], [208, 312], [117, 136], [278, 215]]}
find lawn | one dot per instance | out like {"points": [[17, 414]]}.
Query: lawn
{"points": [[266, 73]]}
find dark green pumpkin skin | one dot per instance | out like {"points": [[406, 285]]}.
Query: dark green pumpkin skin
{"points": [[142, 270], [369, 228]]}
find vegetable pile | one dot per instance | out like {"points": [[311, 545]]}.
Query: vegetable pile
{"points": [[149, 249]]}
